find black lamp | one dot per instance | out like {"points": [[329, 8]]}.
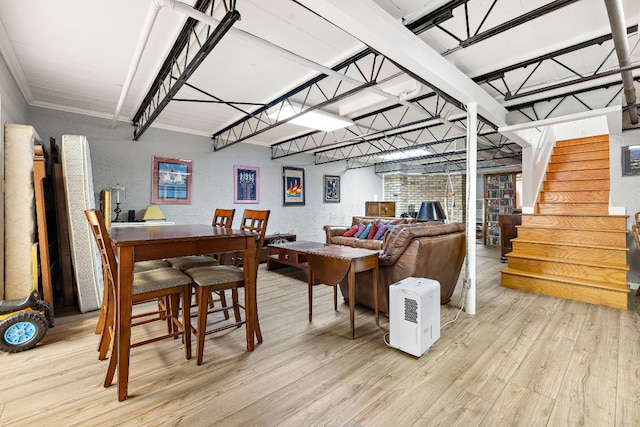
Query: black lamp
{"points": [[431, 211]]}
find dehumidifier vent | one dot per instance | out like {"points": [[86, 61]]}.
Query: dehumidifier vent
{"points": [[411, 310]]}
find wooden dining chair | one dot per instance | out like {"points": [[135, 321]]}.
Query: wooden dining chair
{"points": [[221, 218], [137, 267], [222, 277], [148, 285]]}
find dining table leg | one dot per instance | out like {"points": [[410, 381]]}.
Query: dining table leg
{"points": [[123, 318], [250, 294]]}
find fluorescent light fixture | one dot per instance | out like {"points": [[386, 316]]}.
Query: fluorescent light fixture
{"points": [[314, 119], [406, 154]]}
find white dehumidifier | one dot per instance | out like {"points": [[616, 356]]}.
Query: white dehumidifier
{"points": [[414, 314]]}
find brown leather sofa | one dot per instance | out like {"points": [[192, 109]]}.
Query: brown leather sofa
{"points": [[335, 232], [432, 249]]}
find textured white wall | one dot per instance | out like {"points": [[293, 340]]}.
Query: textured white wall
{"points": [[116, 158], [625, 191]]}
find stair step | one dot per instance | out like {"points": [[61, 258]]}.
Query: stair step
{"points": [[590, 263], [569, 208], [580, 155], [583, 140], [578, 251], [578, 175], [609, 222], [560, 235], [600, 196], [568, 268], [579, 165], [575, 148], [593, 292], [579, 185]]}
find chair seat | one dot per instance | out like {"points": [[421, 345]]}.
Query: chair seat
{"points": [[157, 279], [193, 261], [215, 275], [139, 266]]}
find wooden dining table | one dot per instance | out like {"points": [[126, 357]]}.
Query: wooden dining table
{"points": [[165, 241]]}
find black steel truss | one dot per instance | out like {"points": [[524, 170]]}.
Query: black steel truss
{"points": [[531, 109], [367, 127], [458, 164], [366, 64], [436, 18], [181, 63], [365, 155]]}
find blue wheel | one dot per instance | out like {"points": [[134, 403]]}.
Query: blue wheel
{"points": [[22, 331]]}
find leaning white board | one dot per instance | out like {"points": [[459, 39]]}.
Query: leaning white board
{"points": [[78, 186]]}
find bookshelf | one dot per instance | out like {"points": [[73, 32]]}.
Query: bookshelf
{"points": [[499, 199]]}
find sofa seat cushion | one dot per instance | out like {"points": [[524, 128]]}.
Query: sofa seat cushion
{"points": [[355, 242]]}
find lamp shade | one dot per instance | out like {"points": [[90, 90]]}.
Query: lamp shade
{"points": [[153, 213], [431, 211]]}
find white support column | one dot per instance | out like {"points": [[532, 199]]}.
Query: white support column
{"points": [[472, 168]]}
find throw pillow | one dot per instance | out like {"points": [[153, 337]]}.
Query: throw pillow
{"points": [[366, 231], [380, 233], [373, 231], [361, 228], [350, 232]]}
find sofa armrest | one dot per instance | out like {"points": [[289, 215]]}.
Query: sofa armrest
{"points": [[334, 230]]}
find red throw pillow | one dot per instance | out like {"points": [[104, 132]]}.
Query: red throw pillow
{"points": [[350, 232], [374, 229]]}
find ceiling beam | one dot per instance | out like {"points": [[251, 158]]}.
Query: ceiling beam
{"points": [[166, 85], [364, 19]]}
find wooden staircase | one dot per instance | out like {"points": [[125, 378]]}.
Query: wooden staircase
{"points": [[571, 247]]}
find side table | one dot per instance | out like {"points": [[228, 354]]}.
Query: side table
{"points": [[331, 263]]}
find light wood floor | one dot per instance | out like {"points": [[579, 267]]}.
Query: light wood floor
{"points": [[523, 359]]}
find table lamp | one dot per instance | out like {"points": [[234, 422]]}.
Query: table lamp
{"points": [[431, 211], [153, 213], [117, 189]]}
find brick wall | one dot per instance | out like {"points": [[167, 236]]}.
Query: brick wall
{"points": [[409, 190]]}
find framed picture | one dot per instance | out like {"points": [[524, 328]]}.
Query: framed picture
{"points": [[246, 184], [331, 189], [171, 181], [631, 160], [292, 186]]}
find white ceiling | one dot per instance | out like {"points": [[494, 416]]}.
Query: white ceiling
{"points": [[74, 55]]}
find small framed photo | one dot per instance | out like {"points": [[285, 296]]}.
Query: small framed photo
{"points": [[293, 186], [631, 160], [171, 181], [246, 184], [331, 189]]}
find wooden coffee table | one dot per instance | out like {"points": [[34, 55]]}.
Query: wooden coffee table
{"points": [[291, 254]]}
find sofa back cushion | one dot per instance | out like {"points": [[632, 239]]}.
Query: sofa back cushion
{"points": [[373, 219], [397, 240]]}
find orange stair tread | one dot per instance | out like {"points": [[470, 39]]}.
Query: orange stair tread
{"points": [[569, 261], [571, 244], [563, 279]]}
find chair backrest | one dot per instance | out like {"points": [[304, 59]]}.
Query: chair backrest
{"points": [[256, 221], [638, 218], [635, 230], [99, 230], [223, 218]]}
